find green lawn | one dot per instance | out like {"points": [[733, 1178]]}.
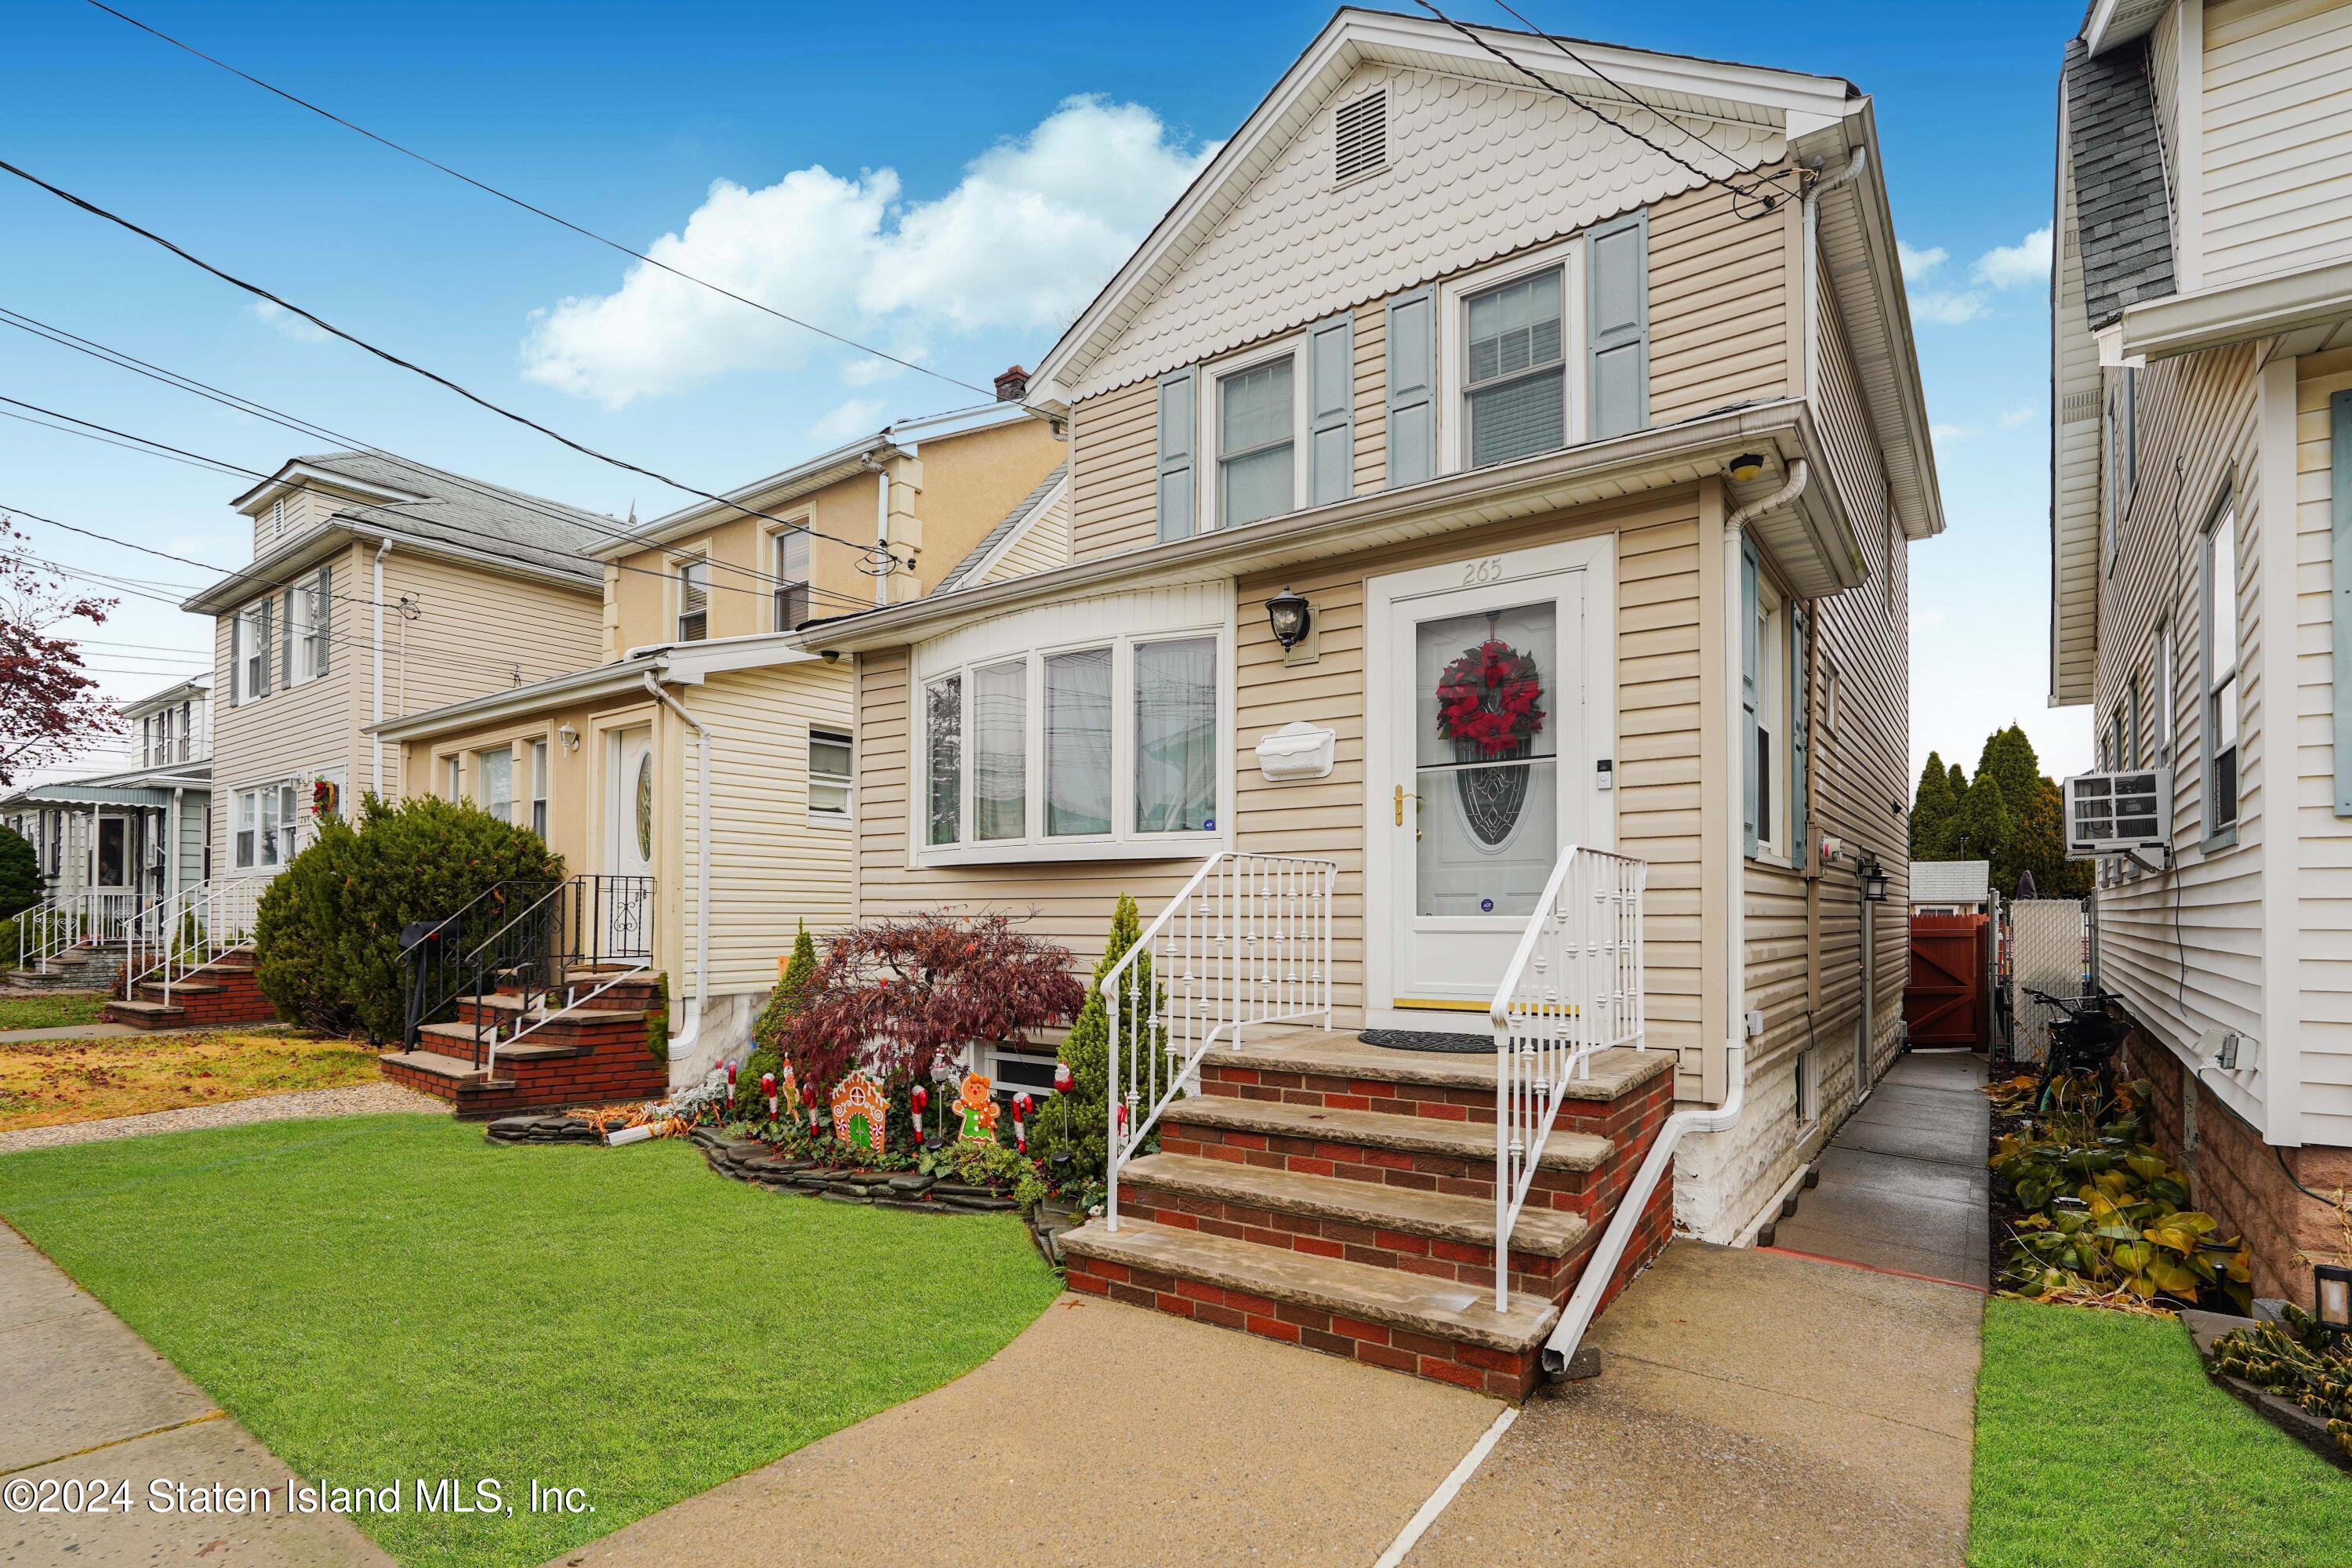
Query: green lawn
{"points": [[51, 1012], [386, 1298], [2101, 1445]]}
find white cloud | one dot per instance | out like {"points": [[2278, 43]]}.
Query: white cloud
{"points": [[287, 322], [1023, 240], [1944, 433], [2022, 414], [2015, 266], [1917, 263], [858, 417], [1947, 307]]}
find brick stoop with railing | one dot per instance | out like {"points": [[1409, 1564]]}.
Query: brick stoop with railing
{"points": [[599, 1050], [220, 992], [1311, 1188]]}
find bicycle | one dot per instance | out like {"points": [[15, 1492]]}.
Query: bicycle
{"points": [[2085, 1040]]}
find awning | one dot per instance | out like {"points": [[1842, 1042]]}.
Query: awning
{"points": [[71, 794]]}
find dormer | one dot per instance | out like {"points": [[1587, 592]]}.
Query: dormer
{"points": [[306, 492]]}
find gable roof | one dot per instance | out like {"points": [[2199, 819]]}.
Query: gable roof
{"points": [[969, 568], [1787, 103], [1951, 881], [2123, 214]]}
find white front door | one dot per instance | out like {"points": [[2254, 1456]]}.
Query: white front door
{"points": [[1490, 687], [623, 907]]}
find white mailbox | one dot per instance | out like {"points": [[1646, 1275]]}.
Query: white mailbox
{"points": [[1296, 751]]}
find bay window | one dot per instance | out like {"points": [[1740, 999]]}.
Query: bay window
{"points": [[265, 826], [1114, 747]]}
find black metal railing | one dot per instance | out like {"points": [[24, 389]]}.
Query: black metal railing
{"points": [[525, 943]]}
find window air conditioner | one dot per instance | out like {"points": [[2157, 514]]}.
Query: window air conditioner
{"points": [[2118, 813]]}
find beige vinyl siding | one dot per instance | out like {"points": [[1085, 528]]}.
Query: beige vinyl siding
{"points": [[1115, 472], [2205, 972], [2323, 853], [1718, 336], [1042, 543], [2164, 76], [2277, 136], [1854, 461], [474, 630], [1718, 306], [774, 867], [575, 808]]}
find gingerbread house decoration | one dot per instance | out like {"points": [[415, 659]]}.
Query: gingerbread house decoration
{"points": [[859, 1112]]}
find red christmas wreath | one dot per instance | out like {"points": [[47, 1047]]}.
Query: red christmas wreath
{"points": [[1488, 698]]}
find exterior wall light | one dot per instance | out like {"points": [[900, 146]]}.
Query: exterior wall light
{"points": [[1873, 883], [1747, 467], [1290, 616], [569, 737], [2331, 1293]]}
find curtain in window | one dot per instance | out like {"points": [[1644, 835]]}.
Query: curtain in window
{"points": [[944, 720], [1254, 442], [1078, 743], [1517, 388], [498, 785], [1000, 750], [1176, 736]]}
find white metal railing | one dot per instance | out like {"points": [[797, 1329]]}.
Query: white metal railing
{"points": [[91, 915], [1247, 942], [170, 938], [1574, 987]]}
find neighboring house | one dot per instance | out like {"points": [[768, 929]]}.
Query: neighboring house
{"points": [[604, 760], [2202, 508], [378, 588], [113, 842], [1951, 887], [1471, 371]]}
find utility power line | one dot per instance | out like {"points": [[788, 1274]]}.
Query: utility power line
{"points": [[585, 232], [252, 408], [874, 551]]}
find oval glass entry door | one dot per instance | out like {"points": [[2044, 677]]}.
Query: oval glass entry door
{"points": [[1486, 760]]}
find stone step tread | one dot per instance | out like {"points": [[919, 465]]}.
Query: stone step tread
{"points": [[1563, 1150], [148, 1009], [183, 987], [1341, 1054], [513, 1002], [1441, 1309], [1546, 1233], [438, 1066]]}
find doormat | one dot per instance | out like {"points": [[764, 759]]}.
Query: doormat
{"points": [[1427, 1040]]}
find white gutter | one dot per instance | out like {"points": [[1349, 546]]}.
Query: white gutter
{"points": [[1576, 1317], [684, 1042], [381, 550]]}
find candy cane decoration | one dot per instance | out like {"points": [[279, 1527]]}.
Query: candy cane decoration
{"points": [[917, 1099], [1021, 1105], [808, 1098], [768, 1088]]}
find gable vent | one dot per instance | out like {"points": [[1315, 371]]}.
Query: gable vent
{"points": [[1362, 139]]}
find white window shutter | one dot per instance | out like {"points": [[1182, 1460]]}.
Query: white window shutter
{"points": [[1412, 387], [322, 619], [1178, 508], [1618, 282], [1749, 660], [1331, 408]]}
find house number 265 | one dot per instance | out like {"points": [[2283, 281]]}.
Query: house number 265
{"points": [[1478, 572]]}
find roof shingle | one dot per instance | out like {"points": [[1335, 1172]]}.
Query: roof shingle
{"points": [[2123, 214]]}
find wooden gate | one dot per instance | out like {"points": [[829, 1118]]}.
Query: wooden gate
{"points": [[1944, 1000]]}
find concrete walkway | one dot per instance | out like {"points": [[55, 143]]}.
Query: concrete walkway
{"points": [[94, 1031], [1903, 1184], [1752, 1408], [1103, 1436], [87, 1400]]}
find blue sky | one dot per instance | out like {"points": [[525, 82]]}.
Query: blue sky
{"points": [[951, 182]]}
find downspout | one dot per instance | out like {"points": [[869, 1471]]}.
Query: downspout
{"points": [[882, 534], [684, 1042], [375, 739], [1600, 1268]]}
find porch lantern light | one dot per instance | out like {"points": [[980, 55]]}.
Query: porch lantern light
{"points": [[2331, 1293], [1291, 618], [568, 736], [1874, 882], [1747, 468]]}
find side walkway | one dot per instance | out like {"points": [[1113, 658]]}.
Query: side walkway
{"points": [[87, 1400]]}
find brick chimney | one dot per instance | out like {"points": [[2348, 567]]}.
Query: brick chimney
{"points": [[1013, 385]]}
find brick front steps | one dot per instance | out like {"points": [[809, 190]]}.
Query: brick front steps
{"points": [[1340, 1197], [590, 1054], [222, 992]]}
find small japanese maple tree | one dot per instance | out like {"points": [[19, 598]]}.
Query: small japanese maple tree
{"points": [[895, 995], [49, 705]]}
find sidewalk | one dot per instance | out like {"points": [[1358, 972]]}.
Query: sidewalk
{"points": [[87, 1400]]}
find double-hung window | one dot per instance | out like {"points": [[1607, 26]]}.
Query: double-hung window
{"points": [[1257, 447], [829, 776], [1771, 761], [265, 826], [494, 781], [453, 781], [538, 789], [1516, 386], [2221, 671], [1106, 747], [249, 639], [315, 602], [791, 586], [694, 599]]}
